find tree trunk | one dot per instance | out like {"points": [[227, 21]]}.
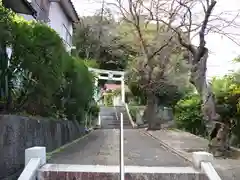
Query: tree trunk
{"points": [[218, 134], [198, 79], [151, 113]]}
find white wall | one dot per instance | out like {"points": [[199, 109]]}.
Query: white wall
{"points": [[27, 17], [58, 20]]}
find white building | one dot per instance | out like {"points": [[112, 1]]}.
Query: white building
{"points": [[58, 14]]}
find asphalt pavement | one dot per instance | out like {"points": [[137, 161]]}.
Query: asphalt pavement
{"points": [[101, 147]]}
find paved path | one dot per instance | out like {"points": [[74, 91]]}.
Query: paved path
{"points": [[185, 143], [102, 147]]}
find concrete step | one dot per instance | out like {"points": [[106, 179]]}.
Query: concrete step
{"points": [[116, 127], [124, 122], [118, 124], [114, 120], [118, 121], [107, 118], [99, 172]]}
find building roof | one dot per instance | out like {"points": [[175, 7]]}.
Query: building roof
{"points": [[20, 6], [70, 10], [75, 11], [112, 86], [115, 87]]}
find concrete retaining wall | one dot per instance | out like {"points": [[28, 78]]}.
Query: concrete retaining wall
{"points": [[18, 133]]}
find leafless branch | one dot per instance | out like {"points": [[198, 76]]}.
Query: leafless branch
{"points": [[161, 48], [204, 25]]}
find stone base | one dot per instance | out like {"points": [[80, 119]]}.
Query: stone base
{"points": [[154, 127], [97, 172]]}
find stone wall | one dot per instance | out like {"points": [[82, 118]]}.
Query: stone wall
{"points": [[18, 133], [164, 114]]}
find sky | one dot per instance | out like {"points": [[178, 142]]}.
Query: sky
{"points": [[222, 50]]}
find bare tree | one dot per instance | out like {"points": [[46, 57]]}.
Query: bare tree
{"points": [[188, 19], [201, 24], [156, 43]]}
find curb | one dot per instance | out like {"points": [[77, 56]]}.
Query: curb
{"points": [[174, 151], [61, 148]]}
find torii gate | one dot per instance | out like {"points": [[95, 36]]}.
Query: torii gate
{"points": [[111, 75]]}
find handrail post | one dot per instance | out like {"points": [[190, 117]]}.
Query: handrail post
{"points": [[203, 161], [121, 148]]}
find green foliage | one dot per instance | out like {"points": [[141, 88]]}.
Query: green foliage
{"points": [[188, 115], [91, 63], [45, 80], [117, 92], [95, 38], [38, 52], [169, 94], [5, 24], [227, 92], [237, 59], [108, 99], [227, 95], [94, 110], [138, 93], [166, 82], [79, 89], [5, 74]]}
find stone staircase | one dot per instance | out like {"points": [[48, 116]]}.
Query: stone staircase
{"points": [[126, 121], [110, 118]]}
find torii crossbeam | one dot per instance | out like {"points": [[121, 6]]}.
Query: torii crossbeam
{"points": [[111, 75]]}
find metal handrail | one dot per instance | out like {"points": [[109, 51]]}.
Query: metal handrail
{"points": [[129, 115], [121, 148], [209, 170], [30, 171], [203, 161]]}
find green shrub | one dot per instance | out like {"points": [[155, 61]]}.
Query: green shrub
{"points": [[45, 80], [38, 57], [227, 93], [78, 89], [188, 115], [94, 110], [108, 99]]}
